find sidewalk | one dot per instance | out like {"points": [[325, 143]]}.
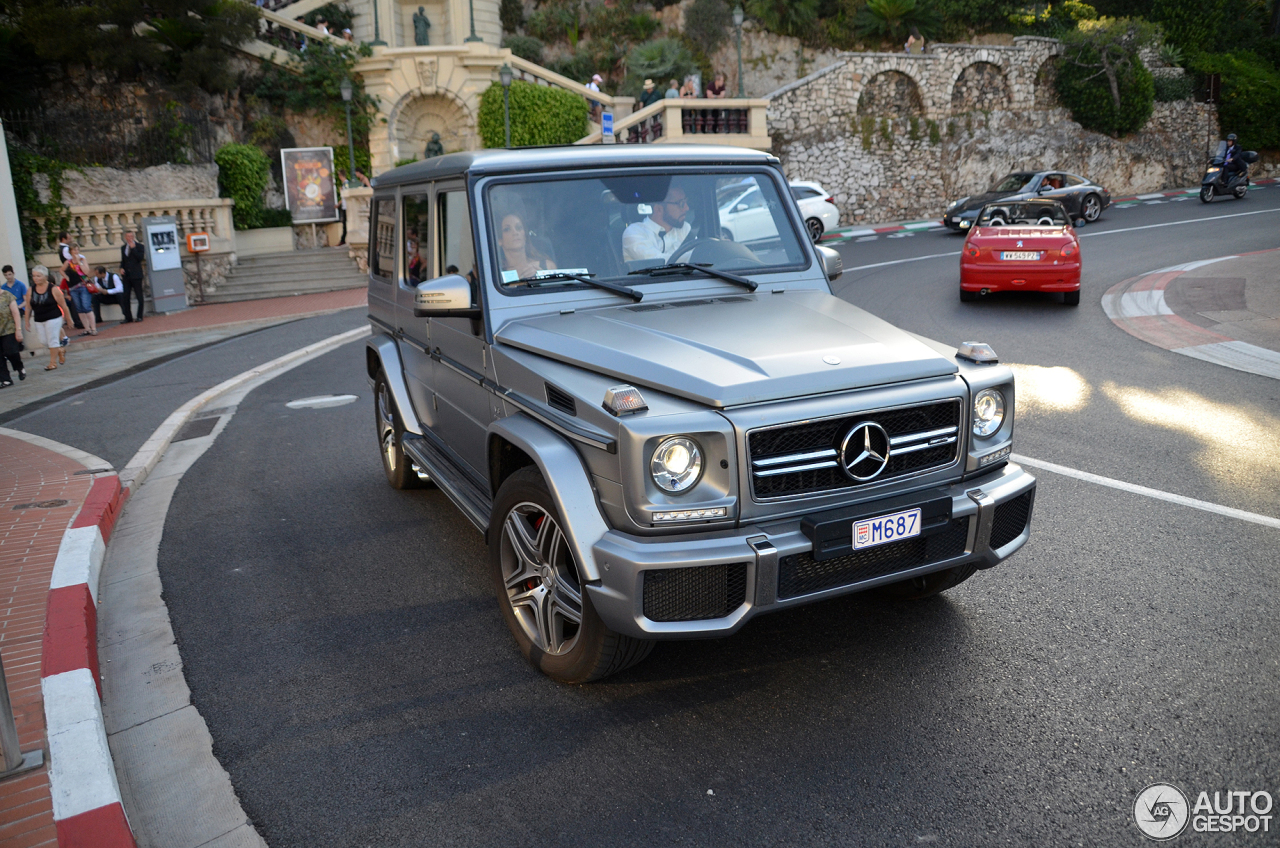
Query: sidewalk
{"points": [[58, 509], [1225, 310]]}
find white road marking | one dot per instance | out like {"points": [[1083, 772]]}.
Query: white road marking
{"points": [[321, 401], [1178, 223], [1206, 506], [900, 261]]}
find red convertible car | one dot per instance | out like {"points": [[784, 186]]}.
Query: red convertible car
{"points": [[1021, 246]]}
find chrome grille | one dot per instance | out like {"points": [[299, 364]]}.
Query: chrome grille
{"points": [[798, 459]]}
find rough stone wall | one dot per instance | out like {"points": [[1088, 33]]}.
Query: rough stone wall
{"points": [[898, 169], [94, 186], [769, 61], [985, 110]]}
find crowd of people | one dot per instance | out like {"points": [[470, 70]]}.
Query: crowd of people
{"points": [[64, 299]]}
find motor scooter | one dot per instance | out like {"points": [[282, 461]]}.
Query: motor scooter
{"points": [[1215, 180]]}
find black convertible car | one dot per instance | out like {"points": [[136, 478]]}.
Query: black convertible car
{"points": [[1082, 198]]}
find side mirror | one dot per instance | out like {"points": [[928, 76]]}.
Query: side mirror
{"points": [[832, 264], [742, 207], [1043, 188], [444, 296]]}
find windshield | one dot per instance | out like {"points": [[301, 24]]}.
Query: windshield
{"points": [[547, 231], [1013, 182], [1030, 214]]}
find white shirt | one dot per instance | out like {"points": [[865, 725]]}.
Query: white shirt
{"points": [[109, 284], [647, 240]]}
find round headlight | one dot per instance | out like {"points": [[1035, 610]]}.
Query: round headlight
{"points": [[988, 412], [676, 464]]}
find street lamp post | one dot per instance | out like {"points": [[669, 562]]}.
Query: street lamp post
{"points": [[737, 25], [347, 91], [504, 75], [377, 33], [473, 37]]}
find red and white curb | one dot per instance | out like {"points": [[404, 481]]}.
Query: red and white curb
{"points": [[1138, 307], [87, 808], [845, 233]]}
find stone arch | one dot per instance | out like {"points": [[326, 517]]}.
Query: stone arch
{"points": [[980, 86], [1046, 94], [416, 116], [891, 94]]}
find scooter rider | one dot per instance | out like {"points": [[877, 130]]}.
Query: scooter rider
{"points": [[1233, 164]]}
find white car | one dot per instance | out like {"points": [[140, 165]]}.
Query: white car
{"points": [[817, 206]]}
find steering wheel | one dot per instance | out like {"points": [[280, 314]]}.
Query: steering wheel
{"points": [[688, 246]]}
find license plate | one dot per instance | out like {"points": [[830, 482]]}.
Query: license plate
{"points": [[955, 219], [887, 528], [1020, 255]]}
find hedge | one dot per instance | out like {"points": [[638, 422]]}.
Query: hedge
{"points": [[243, 174], [1085, 89], [539, 115], [1249, 103]]}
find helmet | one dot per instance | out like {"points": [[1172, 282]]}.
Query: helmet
{"points": [[1231, 136]]}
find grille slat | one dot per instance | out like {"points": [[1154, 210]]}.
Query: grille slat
{"points": [[696, 593], [1010, 520], [801, 574], [768, 446]]}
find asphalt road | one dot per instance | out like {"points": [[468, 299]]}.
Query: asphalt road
{"points": [[343, 643]]}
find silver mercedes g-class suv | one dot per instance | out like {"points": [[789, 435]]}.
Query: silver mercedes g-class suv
{"points": [[625, 365]]}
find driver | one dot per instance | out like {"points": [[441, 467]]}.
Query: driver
{"points": [[660, 234], [1233, 164]]}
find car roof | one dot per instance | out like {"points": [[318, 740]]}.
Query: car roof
{"points": [[569, 157], [807, 184]]}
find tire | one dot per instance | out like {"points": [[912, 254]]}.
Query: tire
{"points": [[400, 470], [929, 585], [1206, 194], [1239, 191], [725, 234], [968, 296], [540, 590], [1091, 208], [815, 228], [1071, 298]]}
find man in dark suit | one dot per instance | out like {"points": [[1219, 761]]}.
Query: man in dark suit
{"points": [[133, 257]]}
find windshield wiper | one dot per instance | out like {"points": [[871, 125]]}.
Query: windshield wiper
{"points": [[543, 277], [751, 285]]}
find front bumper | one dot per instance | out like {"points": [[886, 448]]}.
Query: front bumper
{"points": [[710, 584]]}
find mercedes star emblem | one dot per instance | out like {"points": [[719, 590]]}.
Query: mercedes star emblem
{"points": [[864, 453]]}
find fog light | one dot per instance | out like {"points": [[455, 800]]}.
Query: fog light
{"points": [[692, 514]]}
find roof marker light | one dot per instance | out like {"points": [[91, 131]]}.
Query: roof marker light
{"points": [[977, 352], [621, 400]]}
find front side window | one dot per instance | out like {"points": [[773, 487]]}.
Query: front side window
{"points": [[622, 226], [384, 238], [457, 254]]}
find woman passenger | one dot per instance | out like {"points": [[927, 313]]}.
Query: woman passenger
{"points": [[517, 253]]}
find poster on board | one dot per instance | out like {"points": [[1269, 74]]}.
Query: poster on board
{"points": [[309, 190]]}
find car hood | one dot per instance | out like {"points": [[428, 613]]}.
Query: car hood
{"points": [[734, 349]]}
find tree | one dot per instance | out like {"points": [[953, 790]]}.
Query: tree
{"points": [[895, 18], [785, 17], [706, 24], [1190, 24], [661, 60], [187, 41], [1100, 77]]}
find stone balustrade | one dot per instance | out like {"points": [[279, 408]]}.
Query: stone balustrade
{"points": [[99, 229], [732, 121]]}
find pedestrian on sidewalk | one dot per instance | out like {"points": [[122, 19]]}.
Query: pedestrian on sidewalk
{"points": [[15, 287], [10, 338], [77, 271], [66, 258], [48, 307], [110, 288], [132, 258]]}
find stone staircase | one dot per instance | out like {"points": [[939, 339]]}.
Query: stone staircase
{"points": [[287, 274]]}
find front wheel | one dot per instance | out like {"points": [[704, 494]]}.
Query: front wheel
{"points": [[1206, 193], [400, 470], [815, 228], [1091, 208], [928, 585], [541, 592]]}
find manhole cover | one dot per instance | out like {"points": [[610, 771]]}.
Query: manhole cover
{"points": [[54, 504], [321, 401]]}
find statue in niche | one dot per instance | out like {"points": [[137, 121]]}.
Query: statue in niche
{"points": [[434, 147], [421, 23]]}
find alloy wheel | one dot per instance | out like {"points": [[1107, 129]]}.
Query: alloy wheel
{"points": [[541, 579], [1092, 208], [814, 226], [386, 428]]}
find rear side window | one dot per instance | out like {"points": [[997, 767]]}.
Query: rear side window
{"points": [[384, 238], [417, 224]]}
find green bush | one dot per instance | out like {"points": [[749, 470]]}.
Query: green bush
{"points": [[661, 61], [363, 161], [276, 218], [337, 16], [785, 17], [511, 13], [1190, 24], [1169, 89], [1249, 104], [1101, 79], [539, 115], [24, 165], [243, 174], [980, 15], [894, 19], [707, 23], [579, 67], [557, 20], [524, 46]]}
